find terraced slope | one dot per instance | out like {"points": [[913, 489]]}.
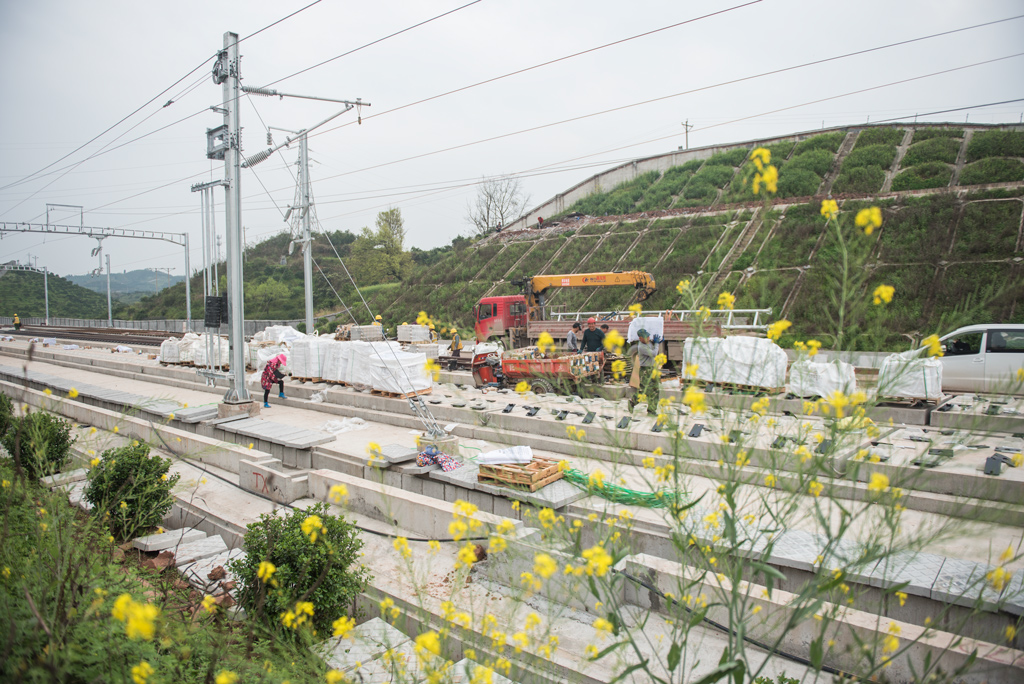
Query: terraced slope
{"points": [[952, 200]]}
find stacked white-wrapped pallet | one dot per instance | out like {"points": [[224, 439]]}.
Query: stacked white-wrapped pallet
{"points": [[362, 356], [910, 375], [186, 348], [413, 333], [170, 351], [367, 333], [212, 350], [813, 379], [305, 358], [399, 373], [263, 353], [753, 361], [278, 334], [324, 345], [330, 360]]}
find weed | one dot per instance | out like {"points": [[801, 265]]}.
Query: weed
{"points": [[995, 144], [825, 141], [926, 175], [890, 137], [932, 150], [992, 170]]}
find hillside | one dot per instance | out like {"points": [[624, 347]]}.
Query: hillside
{"points": [[21, 292], [139, 280], [951, 197]]}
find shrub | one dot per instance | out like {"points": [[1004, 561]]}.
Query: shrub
{"points": [[780, 151], [730, 158], [42, 440], [929, 133], [132, 487], [700, 189], [825, 141], [933, 150], [716, 175], [6, 413], [818, 161], [796, 182], [995, 144], [325, 572], [872, 155], [929, 175], [860, 179], [992, 170], [879, 136]]}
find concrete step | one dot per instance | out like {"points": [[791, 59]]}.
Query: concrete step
{"points": [[168, 540], [65, 477]]}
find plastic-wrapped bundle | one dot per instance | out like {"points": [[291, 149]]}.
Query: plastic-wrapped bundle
{"points": [[266, 352], [654, 325], [399, 372], [305, 358], [367, 333], [186, 347], [330, 353], [170, 350], [413, 333], [737, 360], [910, 375], [364, 354], [813, 379], [278, 334]]}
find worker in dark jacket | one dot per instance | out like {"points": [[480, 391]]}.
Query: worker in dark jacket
{"points": [[593, 339], [650, 375]]}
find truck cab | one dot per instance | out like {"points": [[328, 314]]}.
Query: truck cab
{"points": [[497, 316]]}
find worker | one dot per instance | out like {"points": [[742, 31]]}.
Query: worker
{"points": [[572, 340], [604, 328], [433, 333], [650, 386], [377, 320], [540, 221], [272, 374], [454, 350], [17, 322], [593, 339]]}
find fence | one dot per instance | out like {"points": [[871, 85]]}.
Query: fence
{"points": [[168, 324]]}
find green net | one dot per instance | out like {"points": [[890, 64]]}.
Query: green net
{"points": [[621, 495]]}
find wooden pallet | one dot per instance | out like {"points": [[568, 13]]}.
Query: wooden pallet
{"points": [[533, 475], [403, 395], [736, 387]]}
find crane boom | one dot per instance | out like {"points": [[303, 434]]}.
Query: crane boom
{"points": [[535, 288]]}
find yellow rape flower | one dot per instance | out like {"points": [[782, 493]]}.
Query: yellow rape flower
{"points": [[209, 604], [343, 626], [829, 208], [401, 545], [761, 156], [769, 480], [932, 342], [522, 387], [334, 677], [466, 556], [776, 329], [694, 398], [726, 300], [869, 219], [338, 493], [815, 488], [635, 309], [226, 677], [613, 342], [72, 393], [883, 293], [544, 565], [266, 571], [142, 672], [428, 644], [313, 526], [598, 561], [545, 343], [879, 483], [770, 178], [683, 286], [618, 368]]}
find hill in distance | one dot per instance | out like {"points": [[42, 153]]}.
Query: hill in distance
{"points": [[21, 292], [141, 280]]}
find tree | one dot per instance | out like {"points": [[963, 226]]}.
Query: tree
{"points": [[265, 296], [498, 201], [379, 256]]}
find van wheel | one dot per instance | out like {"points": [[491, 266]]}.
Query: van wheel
{"points": [[541, 386]]}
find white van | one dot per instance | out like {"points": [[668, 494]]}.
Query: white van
{"points": [[982, 358]]}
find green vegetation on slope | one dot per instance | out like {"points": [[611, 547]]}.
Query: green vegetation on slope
{"points": [[21, 292]]}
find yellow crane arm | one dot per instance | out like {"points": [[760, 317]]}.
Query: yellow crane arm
{"points": [[638, 279]]}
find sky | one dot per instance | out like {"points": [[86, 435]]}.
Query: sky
{"points": [[71, 70]]}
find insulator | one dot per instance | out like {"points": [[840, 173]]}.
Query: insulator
{"points": [[256, 159], [266, 92]]}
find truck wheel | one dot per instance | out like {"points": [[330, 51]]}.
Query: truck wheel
{"points": [[541, 386]]}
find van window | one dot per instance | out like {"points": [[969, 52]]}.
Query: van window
{"points": [[961, 345], [1005, 341], [486, 311]]}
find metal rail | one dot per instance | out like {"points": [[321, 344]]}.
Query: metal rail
{"points": [[729, 316]]}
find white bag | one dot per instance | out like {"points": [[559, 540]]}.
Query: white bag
{"points": [[910, 375], [812, 379], [737, 360], [654, 325]]}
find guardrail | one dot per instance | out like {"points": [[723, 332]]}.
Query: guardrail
{"points": [[177, 325], [727, 318]]}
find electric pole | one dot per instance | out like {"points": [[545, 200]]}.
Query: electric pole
{"points": [[46, 293], [687, 127]]}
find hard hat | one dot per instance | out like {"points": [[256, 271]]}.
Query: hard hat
{"points": [[454, 330], [431, 326], [377, 317], [591, 320]]}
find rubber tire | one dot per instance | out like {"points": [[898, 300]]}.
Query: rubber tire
{"points": [[541, 386]]}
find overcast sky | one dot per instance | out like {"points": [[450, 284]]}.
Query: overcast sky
{"points": [[71, 69]]}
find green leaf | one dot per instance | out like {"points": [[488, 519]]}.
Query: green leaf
{"points": [[629, 670], [609, 649], [722, 671], [817, 653], [674, 654]]}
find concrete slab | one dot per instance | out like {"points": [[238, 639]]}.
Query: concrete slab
{"points": [[465, 671], [168, 540], [197, 573], [366, 643], [199, 549], [918, 570], [66, 477], [396, 453]]}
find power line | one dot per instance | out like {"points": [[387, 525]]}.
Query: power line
{"points": [[153, 99], [657, 99], [947, 111]]}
